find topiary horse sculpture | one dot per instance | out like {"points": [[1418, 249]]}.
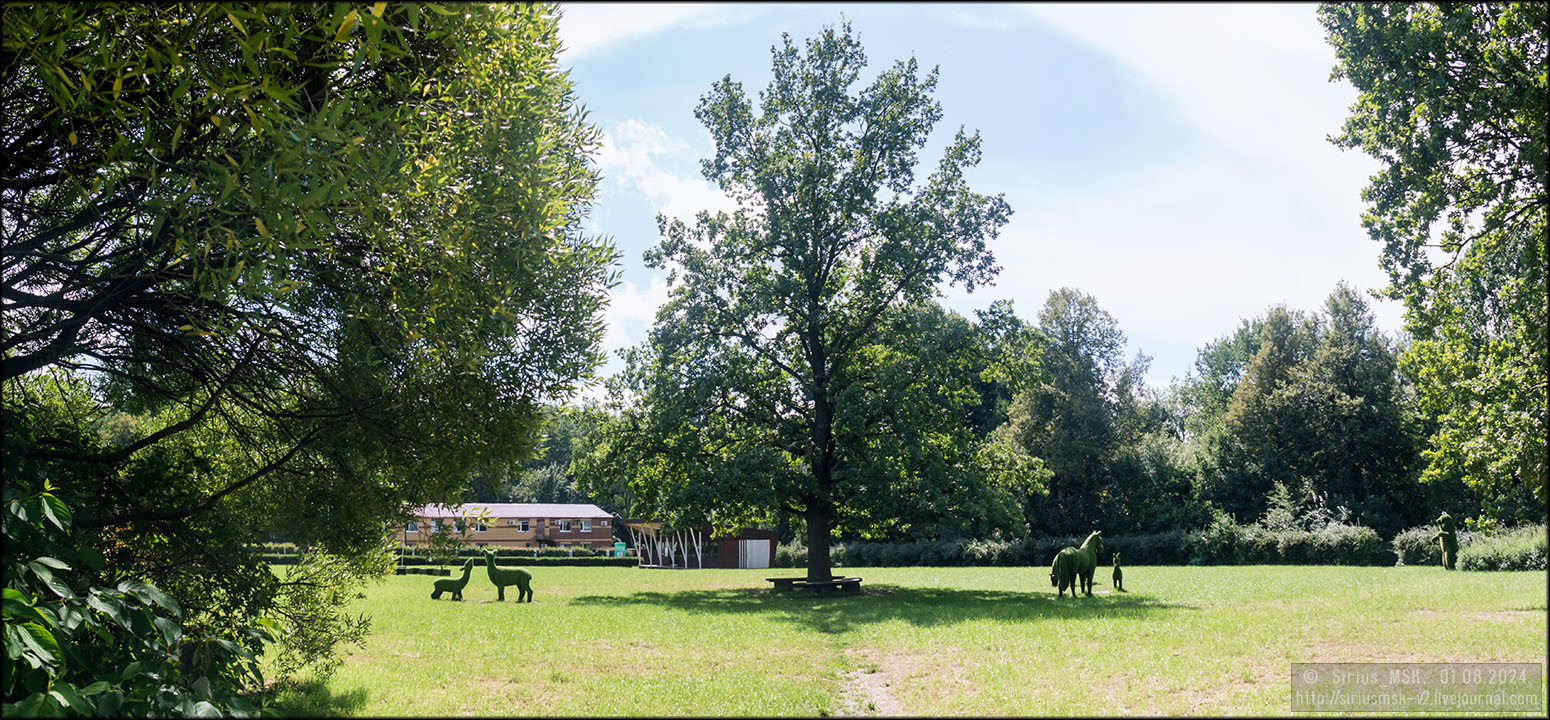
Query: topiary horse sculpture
{"points": [[1119, 575], [1076, 564], [1449, 539], [502, 577], [453, 586]]}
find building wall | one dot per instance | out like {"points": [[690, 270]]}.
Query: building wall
{"points": [[502, 532]]}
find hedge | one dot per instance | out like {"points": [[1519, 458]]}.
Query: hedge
{"points": [[421, 571], [1221, 544], [1520, 549], [1416, 546]]}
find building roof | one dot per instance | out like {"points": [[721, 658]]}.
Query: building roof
{"points": [[515, 510]]}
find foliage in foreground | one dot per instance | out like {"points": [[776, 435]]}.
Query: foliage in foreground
{"points": [[76, 647], [283, 269]]}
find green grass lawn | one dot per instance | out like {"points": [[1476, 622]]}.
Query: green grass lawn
{"points": [[921, 641]]}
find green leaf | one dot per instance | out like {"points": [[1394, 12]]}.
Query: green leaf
{"points": [[41, 640], [96, 687], [56, 512], [52, 583], [150, 594], [17, 606], [53, 563], [346, 25], [73, 699], [33, 706], [170, 630], [108, 705]]}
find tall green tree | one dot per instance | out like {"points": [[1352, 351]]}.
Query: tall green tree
{"points": [[1452, 102], [1083, 406], [1265, 429], [1322, 409], [284, 269], [771, 379]]}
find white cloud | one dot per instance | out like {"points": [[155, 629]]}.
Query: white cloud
{"points": [[641, 157], [586, 28], [631, 311], [1266, 211], [1253, 77]]}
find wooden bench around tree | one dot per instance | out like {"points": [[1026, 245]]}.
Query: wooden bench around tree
{"points": [[836, 586]]}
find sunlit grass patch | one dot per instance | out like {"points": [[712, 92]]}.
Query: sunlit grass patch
{"points": [[922, 641]]}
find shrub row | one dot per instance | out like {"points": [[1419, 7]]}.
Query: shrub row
{"points": [[1416, 546], [475, 552], [1520, 549], [1221, 544], [421, 571], [577, 561]]}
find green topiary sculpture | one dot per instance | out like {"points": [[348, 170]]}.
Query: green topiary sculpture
{"points": [[1119, 575], [508, 576], [453, 586], [1076, 564], [1449, 540]]}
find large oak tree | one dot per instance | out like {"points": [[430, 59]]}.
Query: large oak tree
{"points": [[799, 364]]}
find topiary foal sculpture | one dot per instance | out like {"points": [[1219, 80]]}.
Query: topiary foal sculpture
{"points": [[453, 586], [1073, 565], [508, 576]]}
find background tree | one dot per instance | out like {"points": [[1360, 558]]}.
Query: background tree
{"points": [[284, 269], [1085, 405], [1452, 102], [772, 378]]}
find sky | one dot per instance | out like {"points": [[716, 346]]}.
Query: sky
{"points": [[1170, 160]]}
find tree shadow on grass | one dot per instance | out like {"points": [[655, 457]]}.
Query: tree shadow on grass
{"points": [[315, 699], [882, 602]]}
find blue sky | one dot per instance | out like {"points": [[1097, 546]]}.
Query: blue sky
{"points": [[1168, 159]]}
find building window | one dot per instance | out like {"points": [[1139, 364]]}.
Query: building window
{"points": [[412, 527], [457, 525], [522, 526], [511, 523], [602, 523], [586, 526], [480, 528], [564, 526]]}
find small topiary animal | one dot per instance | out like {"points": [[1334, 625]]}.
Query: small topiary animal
{"points": [[1119, 575], [1449, 540], [453, 586], [502, 577], [1074, 566]]}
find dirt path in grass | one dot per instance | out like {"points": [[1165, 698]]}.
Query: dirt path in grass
{"points": [[865, 691]]}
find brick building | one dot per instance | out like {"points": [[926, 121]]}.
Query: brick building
{"points": [[516, 525]]}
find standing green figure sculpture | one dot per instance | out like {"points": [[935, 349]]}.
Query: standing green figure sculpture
{"points": [[1119, 575], [1073, 565], [453, 586], [508, 576], [1449, 540]]}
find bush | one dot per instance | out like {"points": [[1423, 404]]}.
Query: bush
{"points": [[1221, 543], [1520, 549], [1416, 546], [791, 555], [566, 561], [77, 645]]}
